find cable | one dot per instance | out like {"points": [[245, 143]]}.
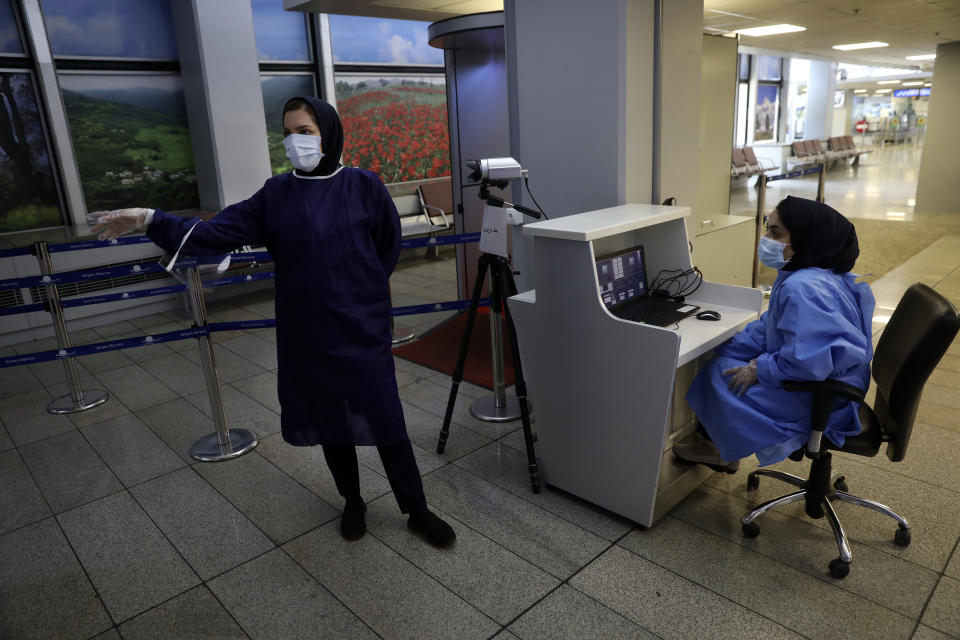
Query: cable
{"points": [[677, 283], [526, 181]]}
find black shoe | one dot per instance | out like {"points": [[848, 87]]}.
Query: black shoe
{"points": [[434, 530], [353, 524]]}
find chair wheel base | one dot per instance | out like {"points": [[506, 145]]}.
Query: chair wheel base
{"points": [[751, 530], [902, 537], [753, 482], [840, 484], [839, 569]]}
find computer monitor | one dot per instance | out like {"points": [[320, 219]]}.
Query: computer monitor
{"points": [[622, 276]]}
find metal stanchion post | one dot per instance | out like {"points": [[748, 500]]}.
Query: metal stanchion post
{"points": [[761, 205], [224, 443], [820, 181], [499, 407], [78, 399]]}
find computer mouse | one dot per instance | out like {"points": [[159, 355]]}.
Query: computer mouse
{"points": [[708, 314]]}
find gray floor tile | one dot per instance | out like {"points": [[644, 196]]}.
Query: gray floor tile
{"points": [[877, 576], [494, 580], [423, 428], [418, 370], [943, 612], [195, 615], [262, 388], [934, 519], [426, 460], [130, 563], [661, 601], [26, 418], [567, 613], [5, 441], [17, 380], [112, 408], [97, 363], [307, 466], [405, 377], [551, 543], [433, 398], [111, 634], [131, 449], [177, 372], [144, 323], [504, 635], [68, 471], [21, 502], [136, 388], [275, 502], [272, 597], [179, 424], [766, 586], [44, 593], [203, 526], [253, 348], [241, 412], [394, 597], [53, 372], [147, 351], [953, 568], [107, 331], [507, 468], [230, 366], [924, 632]]}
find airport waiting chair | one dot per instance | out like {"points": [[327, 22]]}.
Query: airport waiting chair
{"points": [[436, 201], [919, 331]]}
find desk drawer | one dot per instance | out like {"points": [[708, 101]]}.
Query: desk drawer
{"points": [[682, 419]]}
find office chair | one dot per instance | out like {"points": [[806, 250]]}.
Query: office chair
{"points": [[921, 328]]}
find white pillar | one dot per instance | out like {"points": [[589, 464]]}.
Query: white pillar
{"points": [[940, 163], [221, 85], [821, 86]]}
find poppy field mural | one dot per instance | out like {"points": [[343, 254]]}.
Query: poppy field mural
{"points": [[396, 128]]}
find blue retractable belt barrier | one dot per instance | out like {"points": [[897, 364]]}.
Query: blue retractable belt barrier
{"points": [[438, 240], [81, 276], [23, 308], [9, 253], [794, 174], [456, 305], [101, 347]]}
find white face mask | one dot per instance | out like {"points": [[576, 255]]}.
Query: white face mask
{"points": [[303, 150], [770, 252]]}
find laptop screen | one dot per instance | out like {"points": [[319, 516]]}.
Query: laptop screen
{"points": [[622, 276]]}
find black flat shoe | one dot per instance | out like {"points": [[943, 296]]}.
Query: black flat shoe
{"points": [[353, 524], [434, 530]]}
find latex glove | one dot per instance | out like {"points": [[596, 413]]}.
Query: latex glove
{"points": [[120, 221], [742, 377]]}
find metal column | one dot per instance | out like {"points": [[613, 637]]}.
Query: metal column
{"points": [[499, 407]]}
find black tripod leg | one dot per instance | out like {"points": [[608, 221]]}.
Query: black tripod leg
{"points": [[482, 266], [502, 274]]}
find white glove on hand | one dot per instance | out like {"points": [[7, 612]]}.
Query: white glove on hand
{"points": [[743, 377], [120, 221]]}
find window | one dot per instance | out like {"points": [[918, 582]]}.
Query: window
{"points": [[141, 29], [30, 199], [743, 67], [769, 69], [391, 95], [117, 67], [281, 35], [9, 38]]}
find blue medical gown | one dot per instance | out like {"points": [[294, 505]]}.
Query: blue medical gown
{"points": [[335, 240], [818, 326]]}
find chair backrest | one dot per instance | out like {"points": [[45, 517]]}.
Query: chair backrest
{"points": [[816, 146], [919, 331], [737, 158], [848, 141], [437, 194], [798, 149], [810, 148]]}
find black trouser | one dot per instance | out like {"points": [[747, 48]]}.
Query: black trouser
{"points": [[398, 462]]}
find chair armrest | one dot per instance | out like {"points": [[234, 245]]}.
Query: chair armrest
{"points": [[443, 215], [824, 393]]}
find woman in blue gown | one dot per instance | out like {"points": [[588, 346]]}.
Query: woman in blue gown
{"points": [[818, 326], [334, 234]]}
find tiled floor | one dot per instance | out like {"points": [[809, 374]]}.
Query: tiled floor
{"points": [[109, 530]]}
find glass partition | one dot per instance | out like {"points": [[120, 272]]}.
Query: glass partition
{"points": [[140, 29]]}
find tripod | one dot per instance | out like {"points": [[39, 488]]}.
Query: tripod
{"points": [[502, 286]]}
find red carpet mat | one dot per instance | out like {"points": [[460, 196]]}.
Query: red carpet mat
{"points": [[439, 347]]}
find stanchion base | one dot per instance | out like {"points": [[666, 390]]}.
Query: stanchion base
{"points": [[65, 404], [486, 409], [401, 335], [208, 449]]}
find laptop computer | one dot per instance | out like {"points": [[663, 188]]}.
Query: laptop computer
{"points": [[622, 277]]}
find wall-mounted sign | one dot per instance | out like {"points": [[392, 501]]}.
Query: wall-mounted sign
{"points": [[911, 93]]}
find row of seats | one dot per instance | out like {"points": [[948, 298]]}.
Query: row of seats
{"points": [[435, 215], [839, 147], [744, 162]]}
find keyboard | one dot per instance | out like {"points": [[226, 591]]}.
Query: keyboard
{"points": [[660, 312]]}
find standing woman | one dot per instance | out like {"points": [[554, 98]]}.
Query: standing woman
{"points": [[818, 326], [334, 234]]}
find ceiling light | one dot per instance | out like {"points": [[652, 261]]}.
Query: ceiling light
{"points": [[926, 56], [859, 90], [915, 83], [882, 91], [860, 45], [888, 82], [770, 30], [928, 84]]}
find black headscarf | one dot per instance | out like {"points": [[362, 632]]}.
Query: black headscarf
{"points": [[331, 133], [820, 236]]}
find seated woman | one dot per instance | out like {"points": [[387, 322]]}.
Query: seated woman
{"points": [[818, 326]]}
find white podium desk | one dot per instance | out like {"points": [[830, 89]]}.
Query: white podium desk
{"points": [[609, 392]]}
